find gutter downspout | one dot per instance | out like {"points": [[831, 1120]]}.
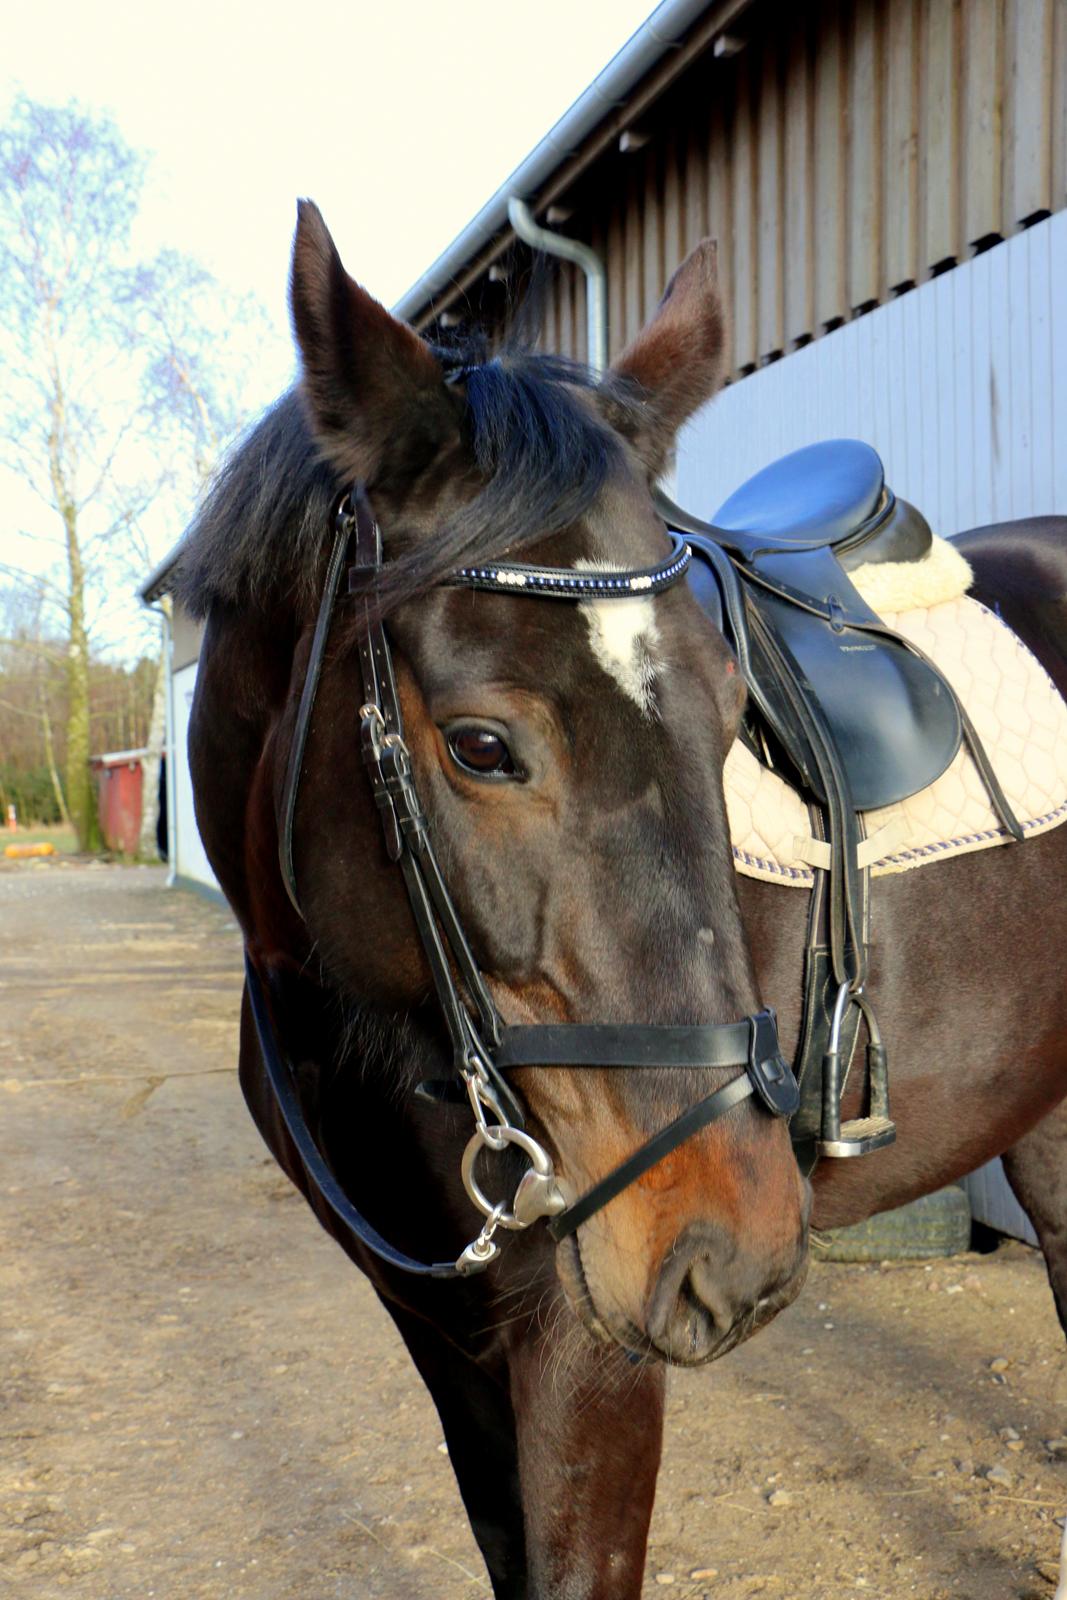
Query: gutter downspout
{"points": [[556, 244], [168, 746]]}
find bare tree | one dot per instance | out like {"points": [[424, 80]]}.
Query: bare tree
{"points": [[109, 386]]}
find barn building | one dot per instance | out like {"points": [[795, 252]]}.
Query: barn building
{"points": [[887, 184]]}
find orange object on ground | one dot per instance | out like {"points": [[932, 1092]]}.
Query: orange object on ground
{"points": [[18, 852]]}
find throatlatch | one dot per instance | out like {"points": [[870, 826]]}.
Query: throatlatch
{"points": [[482, 1046]]}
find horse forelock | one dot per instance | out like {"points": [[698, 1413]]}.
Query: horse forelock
{"points": [[536, 444]]}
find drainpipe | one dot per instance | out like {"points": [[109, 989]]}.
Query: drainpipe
{"points": [[556, 244], [168, 745]]}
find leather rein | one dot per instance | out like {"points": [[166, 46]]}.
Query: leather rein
{"points": [[482, 1046]]}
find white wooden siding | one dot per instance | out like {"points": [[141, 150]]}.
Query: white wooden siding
{"points": [[961, 385], [190, 861]]}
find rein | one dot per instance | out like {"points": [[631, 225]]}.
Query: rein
{"points": [[482, 1046]]}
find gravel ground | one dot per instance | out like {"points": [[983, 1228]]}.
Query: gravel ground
{"points": [[201, 1400]]}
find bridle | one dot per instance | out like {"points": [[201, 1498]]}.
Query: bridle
{"points": [[483, 1048]]}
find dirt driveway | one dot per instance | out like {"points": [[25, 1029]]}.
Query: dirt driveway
{"points": [[201, 1400]]}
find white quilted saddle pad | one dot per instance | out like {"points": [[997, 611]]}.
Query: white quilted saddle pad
{"points": [[1017, 714]]}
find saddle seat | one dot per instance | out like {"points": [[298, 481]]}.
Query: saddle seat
{"points": [[831, 494]]}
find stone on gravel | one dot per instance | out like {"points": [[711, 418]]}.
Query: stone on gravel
{"points": [[1000, 1475], [780, 1497], [704, 1572], [999, 1364], [1056, 1447]]}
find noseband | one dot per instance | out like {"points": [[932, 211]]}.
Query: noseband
{"points": [[483, 1047]]}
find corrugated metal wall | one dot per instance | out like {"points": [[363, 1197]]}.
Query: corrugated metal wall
{"points": [[961, 386], [851, 150]]}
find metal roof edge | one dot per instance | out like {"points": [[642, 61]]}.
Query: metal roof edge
{"points": [[157, 583], [656, 35]]}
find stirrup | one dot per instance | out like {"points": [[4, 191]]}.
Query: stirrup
{"points": [[861, 1135]]}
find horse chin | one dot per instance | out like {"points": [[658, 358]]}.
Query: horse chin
{"points": [[571, 1274], [615, 1329]]}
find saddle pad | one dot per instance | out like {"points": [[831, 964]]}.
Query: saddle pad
{"points": [[1018, 716]]}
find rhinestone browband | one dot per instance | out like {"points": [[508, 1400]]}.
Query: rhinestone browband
{"points": [[555, 583]]}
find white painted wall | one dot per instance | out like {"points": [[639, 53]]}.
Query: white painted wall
{"points": [[191, 861], [960, 385]]}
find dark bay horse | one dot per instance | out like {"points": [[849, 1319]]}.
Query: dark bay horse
{"points": [[569, 759]]}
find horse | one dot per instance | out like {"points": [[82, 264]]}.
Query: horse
{"points": [[564, 753]]}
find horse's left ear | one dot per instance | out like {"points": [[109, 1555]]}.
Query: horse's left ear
{"points": [[374, 391], [676, 360]]}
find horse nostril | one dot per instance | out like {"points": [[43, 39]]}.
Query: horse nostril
{"points": [[710, 1288]]}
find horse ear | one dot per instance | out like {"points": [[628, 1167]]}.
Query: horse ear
{"points": [[375, 394], [677, 359]]}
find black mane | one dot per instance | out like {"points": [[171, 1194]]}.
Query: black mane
{"points": [[262, 530]]}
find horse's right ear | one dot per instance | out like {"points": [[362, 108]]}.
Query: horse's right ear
{"points": [[375, 394]]}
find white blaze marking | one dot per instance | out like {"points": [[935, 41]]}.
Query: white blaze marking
{"points": [[624, 637]]}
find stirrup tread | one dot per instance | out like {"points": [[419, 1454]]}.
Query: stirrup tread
{"points": [[859, 1137]]}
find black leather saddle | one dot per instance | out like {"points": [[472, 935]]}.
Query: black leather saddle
{"points": [[796, 529], [853, 715]]}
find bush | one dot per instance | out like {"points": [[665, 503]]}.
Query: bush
{"points": [[31, 793]]}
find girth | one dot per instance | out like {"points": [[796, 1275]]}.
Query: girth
{"points": [[482, 1046]]}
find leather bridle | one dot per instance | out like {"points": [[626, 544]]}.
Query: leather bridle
{"points": [[483, 1048]]}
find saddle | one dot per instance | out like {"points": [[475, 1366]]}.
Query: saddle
{"points": [[853, 715]]}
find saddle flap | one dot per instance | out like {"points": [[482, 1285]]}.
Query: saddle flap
{"points": [[895, 722]]}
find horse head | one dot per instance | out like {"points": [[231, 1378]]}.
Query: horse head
{"points": [[568, 757]]}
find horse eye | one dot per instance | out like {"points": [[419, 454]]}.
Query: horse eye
{"points": [[481, 751]]}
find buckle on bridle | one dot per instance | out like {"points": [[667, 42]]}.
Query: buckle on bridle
{"points": [[769, 1073]]}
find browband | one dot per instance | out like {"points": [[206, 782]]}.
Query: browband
{"points": [[560, 583]]}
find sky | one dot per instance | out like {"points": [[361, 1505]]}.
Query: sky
{"points": [[400, 119]]}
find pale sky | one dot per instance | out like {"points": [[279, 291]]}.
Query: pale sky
{"points": [[399, 119]]}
